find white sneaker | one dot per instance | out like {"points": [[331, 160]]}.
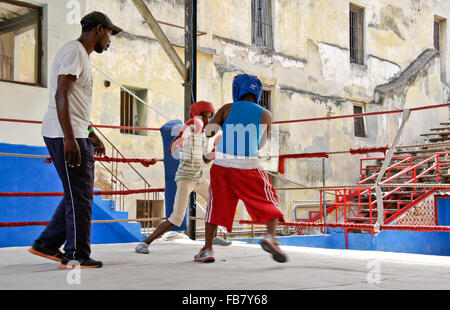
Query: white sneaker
{"points": [[271, 245], [142, 248], [205, 256], [220, 241]]}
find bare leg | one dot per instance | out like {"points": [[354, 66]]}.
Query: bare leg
{"points": [[210, 233], [270, 244], [272, 227], [161, 229]]}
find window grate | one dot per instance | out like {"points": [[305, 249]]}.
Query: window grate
{"points": [[437, 35], [265, 100], [356, 35], [133, 112], [262, 23], [360, 130]]}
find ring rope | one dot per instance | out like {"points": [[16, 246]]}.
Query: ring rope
{"points": [[356, 226], [276, 122], [48, 159], [361, 114], [10, 120], [36, 223], [95, 193], [361, 186]]}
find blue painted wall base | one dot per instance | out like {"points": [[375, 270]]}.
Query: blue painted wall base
{"points": [[431, 243], [33, 175]]}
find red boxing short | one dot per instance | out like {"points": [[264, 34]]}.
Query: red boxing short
{"points": [[252, 186]]}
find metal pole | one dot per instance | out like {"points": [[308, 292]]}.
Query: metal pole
{"points": [[190, 86], [161, 37], [387, 161], [324, 195]]}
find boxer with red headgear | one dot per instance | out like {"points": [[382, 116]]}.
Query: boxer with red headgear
{"points": [[190, 144]]}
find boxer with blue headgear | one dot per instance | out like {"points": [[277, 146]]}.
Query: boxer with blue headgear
{"points": [[244, 84], [237, 174]]}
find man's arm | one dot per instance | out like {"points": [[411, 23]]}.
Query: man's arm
{"points": [[99, 146], [266, 121], [71, 150], [216, 123]]}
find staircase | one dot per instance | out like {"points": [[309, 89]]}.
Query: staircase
{"points": [[440, 134], [424, 164]]}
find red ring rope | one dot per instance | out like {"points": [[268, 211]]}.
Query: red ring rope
{"points": [[95, 193], [144, 162], [96, 126], [357, 226], [277, 122], [361, 115]]}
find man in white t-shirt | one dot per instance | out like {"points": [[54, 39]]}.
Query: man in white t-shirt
{"points": [[72, 144]]}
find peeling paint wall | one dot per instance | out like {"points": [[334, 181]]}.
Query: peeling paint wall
{"points": [[308, 71]]}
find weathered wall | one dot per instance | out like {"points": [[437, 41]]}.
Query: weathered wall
{"points": [[308, 70], [30, 102]]}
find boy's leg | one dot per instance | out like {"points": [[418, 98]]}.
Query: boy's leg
{"points": [[210, 234], [184, 188], [203, 189], [161, 229]]}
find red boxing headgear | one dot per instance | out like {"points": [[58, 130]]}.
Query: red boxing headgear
{"points": [[201, 106]]}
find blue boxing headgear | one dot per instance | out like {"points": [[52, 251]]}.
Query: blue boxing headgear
{"points": [[244, 84]]}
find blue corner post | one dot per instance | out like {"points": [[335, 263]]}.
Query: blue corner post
{"points": [[168, 131]]}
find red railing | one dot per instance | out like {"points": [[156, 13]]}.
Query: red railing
{"points": [[397, 165], [349, 201]]}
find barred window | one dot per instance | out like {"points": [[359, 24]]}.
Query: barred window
{"points": [[132, 111], [356, 35], [437, 35], [360, 128], [265, 100], [262, 23], [20, 42]]}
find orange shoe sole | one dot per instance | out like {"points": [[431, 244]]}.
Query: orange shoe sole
{"points": [[33, 251], [73, 267]]}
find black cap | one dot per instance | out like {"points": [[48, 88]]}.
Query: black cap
{"points": [[98, 18]]}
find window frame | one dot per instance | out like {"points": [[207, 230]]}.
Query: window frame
{"points": [[361, 48], [123, 119], [267, 31], [39, 42], [363, 121], [269, 97]]}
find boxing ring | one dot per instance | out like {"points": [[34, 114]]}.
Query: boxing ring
{"points": [[350, 190], [307, 267]]}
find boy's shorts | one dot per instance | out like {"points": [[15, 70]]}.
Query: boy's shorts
{"points": [[252, 186]]}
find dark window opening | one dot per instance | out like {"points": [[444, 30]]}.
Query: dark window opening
{"points": [[150, 209], [20, 42], [265, 100], [132, 111], [356, 35], [360, 129], [437, 35], [262, 23]]}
